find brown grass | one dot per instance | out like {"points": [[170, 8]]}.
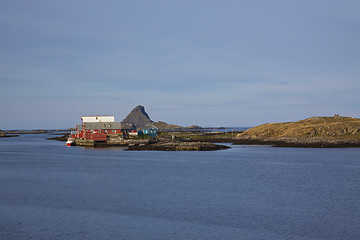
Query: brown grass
{"points": [[328, 127]]}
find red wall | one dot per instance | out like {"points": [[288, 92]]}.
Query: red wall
{"points": [[98, 135]]}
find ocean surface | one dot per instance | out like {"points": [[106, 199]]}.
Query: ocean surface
{"points": [[49, 191]]}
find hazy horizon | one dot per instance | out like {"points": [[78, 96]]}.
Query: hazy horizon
{"points": [[208, 63]]}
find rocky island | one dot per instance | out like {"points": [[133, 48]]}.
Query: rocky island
{"points": [[4, 134], [127, 134], [336, 131], [318, 132]]}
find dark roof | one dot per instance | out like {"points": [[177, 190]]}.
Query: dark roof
{"points": [[101, 125]]}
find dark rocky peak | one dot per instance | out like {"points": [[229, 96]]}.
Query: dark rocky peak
{"points": [[138, 117]]}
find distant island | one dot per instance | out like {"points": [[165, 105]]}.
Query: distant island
{"points": [[4, 134], [15, 133]]}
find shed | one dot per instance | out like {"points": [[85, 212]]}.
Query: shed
{"points": [[152, 131]]}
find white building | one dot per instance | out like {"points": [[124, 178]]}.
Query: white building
{"points": [[85, 119]]}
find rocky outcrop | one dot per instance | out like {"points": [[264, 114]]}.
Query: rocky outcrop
{"points": [[312, 132], [138, 117]]}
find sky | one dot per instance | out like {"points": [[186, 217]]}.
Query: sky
{"points": [[204, 62]]}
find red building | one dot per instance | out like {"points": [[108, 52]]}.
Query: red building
{"points": [[97, 130]]}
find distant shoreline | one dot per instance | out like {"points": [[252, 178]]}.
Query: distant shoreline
{"points": [[6, 136]]}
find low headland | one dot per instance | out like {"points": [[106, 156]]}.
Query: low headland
{"points": [[314, 132]]}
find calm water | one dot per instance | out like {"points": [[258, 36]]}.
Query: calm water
{"points": [[48, 191]]}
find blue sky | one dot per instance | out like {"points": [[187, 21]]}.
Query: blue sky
{"points": [[204, 62]]}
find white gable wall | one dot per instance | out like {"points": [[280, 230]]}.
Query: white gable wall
{"points": [[98, 119]]}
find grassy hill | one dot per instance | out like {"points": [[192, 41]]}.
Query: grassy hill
{"points": [[332, 130], [163, 125]]}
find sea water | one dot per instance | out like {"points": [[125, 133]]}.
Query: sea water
{"points": [[49, 191]]}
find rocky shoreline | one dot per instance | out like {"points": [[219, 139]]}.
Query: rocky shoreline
{"points": [[63, 137], [153, 145], [177, 146], [149, 144], [6, 135]]}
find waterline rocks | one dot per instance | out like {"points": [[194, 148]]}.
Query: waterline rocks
{"points": [[178, 146]]}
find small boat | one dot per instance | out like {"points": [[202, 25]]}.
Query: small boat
{"points": [[69, 141]]}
